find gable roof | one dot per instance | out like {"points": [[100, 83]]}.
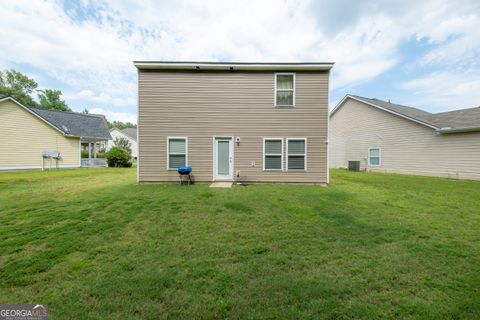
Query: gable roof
{"points": [[463, 120], [71, 124], [129, 132], [458, 120]]}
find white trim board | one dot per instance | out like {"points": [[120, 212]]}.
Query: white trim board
{"points": [[229, 66]]}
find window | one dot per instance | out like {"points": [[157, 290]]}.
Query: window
{"points": [[177, 152], [296, 154], [284, 89], [273, 154], [374, 157]]}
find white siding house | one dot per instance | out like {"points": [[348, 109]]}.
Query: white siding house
{"points": [[389, 137], [128, 133]]}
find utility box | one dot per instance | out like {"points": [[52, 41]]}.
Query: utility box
{"points": [[353, 165]]}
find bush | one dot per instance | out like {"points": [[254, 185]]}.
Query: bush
{"points": [[100, 154], [118, 157]]}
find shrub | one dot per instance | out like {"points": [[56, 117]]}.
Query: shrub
{"points": [[123, 143], [100, 154], [118, 157]]}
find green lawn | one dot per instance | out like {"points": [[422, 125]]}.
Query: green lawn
{"points": [[94, 245]]}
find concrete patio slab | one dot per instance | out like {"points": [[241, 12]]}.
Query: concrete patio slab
{"points": [[223, 184]]}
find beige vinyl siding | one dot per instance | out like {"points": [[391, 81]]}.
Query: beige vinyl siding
{"points": [[24, 137], [406, 147], [201, 105]]}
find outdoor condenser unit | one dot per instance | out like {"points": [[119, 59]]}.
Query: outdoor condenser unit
{"points": [[354, 165]]}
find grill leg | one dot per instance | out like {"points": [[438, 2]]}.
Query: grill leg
{"points": [[185, 179]]}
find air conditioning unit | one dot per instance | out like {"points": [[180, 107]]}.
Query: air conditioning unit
{"points": [[354, 165]]}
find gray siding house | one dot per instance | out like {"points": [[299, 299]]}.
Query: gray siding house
{"points": [[243, 122], [389, 137]]}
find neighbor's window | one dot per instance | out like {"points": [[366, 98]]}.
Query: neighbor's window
{"points": [[374, 157], [177, 153], [273, 150], [296, 154], [284, 89]]}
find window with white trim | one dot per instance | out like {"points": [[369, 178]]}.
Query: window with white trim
{"points": [[296, 154], [273, 154], [284, 89], [177, 153], [374, 157]]}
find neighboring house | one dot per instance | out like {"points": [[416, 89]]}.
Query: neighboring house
{"points": [[248, 122], [389, 137], [128, 133], [37, 138]]}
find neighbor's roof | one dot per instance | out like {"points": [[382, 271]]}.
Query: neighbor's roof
{"points": [[129, 132], [252, 66], [71, 123], [458, 120], [445, 122]]}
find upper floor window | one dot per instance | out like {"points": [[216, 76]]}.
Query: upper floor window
{"points": [[284, 89], [374, 157]]}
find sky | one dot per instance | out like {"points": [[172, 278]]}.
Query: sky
{"points": [[419, 53]]}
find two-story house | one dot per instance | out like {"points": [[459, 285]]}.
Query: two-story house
{"points": [[243, 122]]}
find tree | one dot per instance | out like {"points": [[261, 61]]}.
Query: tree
{"points": [[121, 125], [123, 143], [118, 157], [50, 99], [18, 86]]}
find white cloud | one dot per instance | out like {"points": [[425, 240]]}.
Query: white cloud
{"points": [[445, 90], [90, 45], [102, 97], [115, 116]]}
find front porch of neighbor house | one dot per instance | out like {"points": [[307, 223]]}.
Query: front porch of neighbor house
{"points": [[93, 152]]}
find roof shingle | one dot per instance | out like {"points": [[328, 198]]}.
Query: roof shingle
{"points": [[75, 124], [457, 120]]}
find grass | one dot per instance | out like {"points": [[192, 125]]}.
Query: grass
{"points": [[92, 244]]}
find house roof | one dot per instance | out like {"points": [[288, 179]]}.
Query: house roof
{"points": [[462, 120], [230, 66], [129, 132], [71, 123], [457, 120]]}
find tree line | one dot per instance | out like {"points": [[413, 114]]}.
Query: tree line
{"points": [[23, 89]]}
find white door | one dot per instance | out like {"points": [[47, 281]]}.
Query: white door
{"points": [[223, 159]]}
